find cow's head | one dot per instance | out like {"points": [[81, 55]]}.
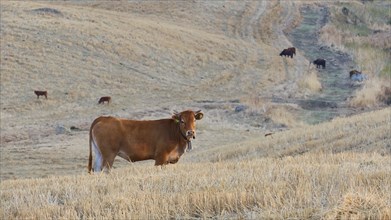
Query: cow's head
{"points": [[186, 120]]}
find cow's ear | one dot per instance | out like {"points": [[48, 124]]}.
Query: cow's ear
{"points": [[176, 116], [199, 115]]}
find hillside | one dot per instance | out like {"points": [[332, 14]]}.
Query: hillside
{"points": [[329, 153], [146, 58]]}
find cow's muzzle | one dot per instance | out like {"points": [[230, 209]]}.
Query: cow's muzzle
{"points": [[190, 134]]}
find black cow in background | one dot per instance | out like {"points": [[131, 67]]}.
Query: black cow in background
{"points": [[104, 99], [41, 93], [320, 62], [293, 50]]}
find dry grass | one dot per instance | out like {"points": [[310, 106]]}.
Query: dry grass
{"points": [[310, 82], [372, 94], [356, 33], [331, 36], [364, 133], [281, 114], [343, 172], [309, 186], [153, 58]]}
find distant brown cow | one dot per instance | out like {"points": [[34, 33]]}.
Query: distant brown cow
{"points": [[351, 73], [288, 52], [104, 99], [41, 93]]}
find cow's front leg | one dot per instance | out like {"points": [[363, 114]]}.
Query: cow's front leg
{"points": [[161, 159]]}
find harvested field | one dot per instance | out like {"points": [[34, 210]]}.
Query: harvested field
{"points": [[327, 153]]}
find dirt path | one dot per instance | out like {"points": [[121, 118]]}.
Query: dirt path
{"points": [[337, 88]]}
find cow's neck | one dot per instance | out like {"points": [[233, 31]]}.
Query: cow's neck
{"points": [[188, 141]]}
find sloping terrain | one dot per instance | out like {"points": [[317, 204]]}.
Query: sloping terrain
{"points": [[152, 58], [336, 170]]}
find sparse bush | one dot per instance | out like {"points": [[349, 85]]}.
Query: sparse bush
{"points": [[332, 37], [310, 82], [257, 104], [372, 94], [358, 206], [282, 115]]}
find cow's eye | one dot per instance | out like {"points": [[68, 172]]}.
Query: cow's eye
{"points": [[182, 121]]}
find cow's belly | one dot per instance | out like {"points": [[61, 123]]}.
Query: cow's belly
{"points": [[136, 154]]}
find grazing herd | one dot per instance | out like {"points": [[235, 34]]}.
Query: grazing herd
{"points": [[321, 63]]}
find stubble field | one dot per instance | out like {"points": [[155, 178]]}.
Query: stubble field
{"points": [[221, 57]]}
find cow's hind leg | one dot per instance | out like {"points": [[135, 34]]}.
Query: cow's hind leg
{"points": [[98, 158], [108, 163]]}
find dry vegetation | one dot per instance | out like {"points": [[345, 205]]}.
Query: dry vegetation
{"points": [[310, 82], [364, 31], [332, 171], [155, 57]]}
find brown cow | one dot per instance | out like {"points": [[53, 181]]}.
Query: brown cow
{"points": [[104, 99], [41, 93], [163, 140], [268, 134], [288, 52], [292, 49]]}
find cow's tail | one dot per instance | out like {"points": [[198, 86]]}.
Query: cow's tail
{"points": [[90, 143]]}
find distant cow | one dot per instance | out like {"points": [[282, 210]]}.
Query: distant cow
{"points": [[288, 52], [41, 93], [320, 62], [293, 50], [163, 140], [357, 76], [104, 99], [351, 73]]}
